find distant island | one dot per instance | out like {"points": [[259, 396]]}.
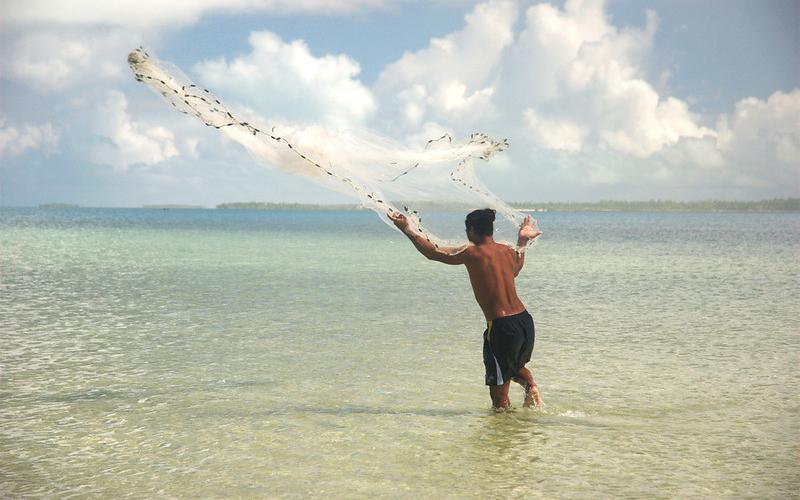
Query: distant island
{"points": [[260, 205], [772, 205], [58, 205]]}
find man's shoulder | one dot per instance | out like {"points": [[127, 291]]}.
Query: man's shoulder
{"points": [[469, 251], [490, 251], [503, 248]]}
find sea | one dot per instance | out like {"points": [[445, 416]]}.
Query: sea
{"points": [[191, 353]]}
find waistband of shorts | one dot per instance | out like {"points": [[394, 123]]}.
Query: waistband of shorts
{"points": [[522, 313], [490, 322]]}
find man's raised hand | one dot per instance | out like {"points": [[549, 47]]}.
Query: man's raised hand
{"points": [[528, 230], [399, 220]]}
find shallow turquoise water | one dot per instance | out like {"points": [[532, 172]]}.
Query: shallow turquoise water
{"points": [[202, 353]]}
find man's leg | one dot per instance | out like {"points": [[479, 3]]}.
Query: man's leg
{"points": [[525, 379], [499, 394]]}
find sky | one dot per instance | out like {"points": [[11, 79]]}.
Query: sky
{"points": [[622, 99]]}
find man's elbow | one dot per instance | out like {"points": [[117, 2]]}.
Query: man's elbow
{"points": [[432, 256], [437, 256]]}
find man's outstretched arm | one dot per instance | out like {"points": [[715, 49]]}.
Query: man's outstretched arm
{"points": [[425, 247], [528, 231]]}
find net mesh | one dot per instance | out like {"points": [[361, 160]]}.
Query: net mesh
{"points": [[433, 184]]}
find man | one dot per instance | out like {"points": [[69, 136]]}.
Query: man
{"points": [[492, 267]]}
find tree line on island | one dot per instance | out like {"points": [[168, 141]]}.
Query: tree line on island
{"points": [[772, 205]]}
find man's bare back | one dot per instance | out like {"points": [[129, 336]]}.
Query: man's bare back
{"points": [[491, 272], [492, 268]]}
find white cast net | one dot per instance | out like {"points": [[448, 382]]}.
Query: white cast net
{"points": [[434, 184]]}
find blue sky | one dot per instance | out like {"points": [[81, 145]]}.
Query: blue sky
{"points": [[620, 99]]}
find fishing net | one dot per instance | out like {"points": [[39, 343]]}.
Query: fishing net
{"points": [[433, 184]]}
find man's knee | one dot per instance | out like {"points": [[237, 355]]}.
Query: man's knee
{"points": [[524, 375]]}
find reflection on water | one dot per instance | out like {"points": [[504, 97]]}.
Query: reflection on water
{"points": [[225, 354]]}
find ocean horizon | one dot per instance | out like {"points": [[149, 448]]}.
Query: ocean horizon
{"points": [[660, 205]]}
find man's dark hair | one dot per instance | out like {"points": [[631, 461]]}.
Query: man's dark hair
{"points": [[482, 221]]}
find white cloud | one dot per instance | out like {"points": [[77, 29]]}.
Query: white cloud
{"points": [[157, 13], [753, 153], [283, 80], [453, 78], [548, 43], [568, 88], [569, 81], [16, 140], [54, 60], [772, 125], [131, 142], [762, 138], [557, 134], [587, 87], [57, 46], [571, 84]]}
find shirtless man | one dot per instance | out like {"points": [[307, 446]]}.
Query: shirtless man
{"points": [[492, 267]]}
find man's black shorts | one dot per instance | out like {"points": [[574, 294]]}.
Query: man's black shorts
{"points": [[507, 346]]}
